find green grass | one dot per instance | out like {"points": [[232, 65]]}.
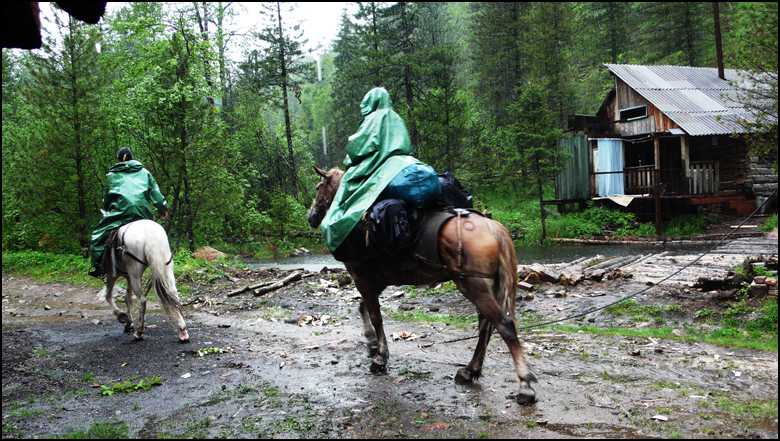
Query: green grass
{"points": [[49, 267], [423, 317], [99, 430], [769, 224], [724, 336], [70, 268], [756, 408]]}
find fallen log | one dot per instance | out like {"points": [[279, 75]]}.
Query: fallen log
{"points": [[248, 288], [286, 281]]}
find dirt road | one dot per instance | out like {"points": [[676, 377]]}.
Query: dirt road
{"points": [[280, 379]]}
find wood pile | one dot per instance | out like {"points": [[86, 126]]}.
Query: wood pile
{"points": [[711, 268]]}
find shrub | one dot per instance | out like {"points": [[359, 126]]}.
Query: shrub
{"points": [[769, 224]]}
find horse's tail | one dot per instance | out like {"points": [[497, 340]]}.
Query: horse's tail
{"points": [[157, 251], [505, 282]]}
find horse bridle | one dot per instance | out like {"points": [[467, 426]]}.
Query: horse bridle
{"points": [[322, 203]]}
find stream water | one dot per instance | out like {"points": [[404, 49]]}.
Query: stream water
{"points": [[525, 255]]}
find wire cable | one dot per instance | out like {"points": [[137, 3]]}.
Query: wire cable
{"points": [[631, 295]]}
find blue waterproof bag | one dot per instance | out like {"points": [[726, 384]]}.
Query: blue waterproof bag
{"points": [[417, 184]]}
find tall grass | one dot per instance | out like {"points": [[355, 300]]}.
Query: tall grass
{"points": [[49, 266], [770, 223]]}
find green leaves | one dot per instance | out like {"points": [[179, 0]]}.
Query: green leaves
{"points": [[212, 350], [128, 386]]}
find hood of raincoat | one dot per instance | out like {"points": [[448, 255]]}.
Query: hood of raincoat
{"points": [[375, 154], [130, 166]]}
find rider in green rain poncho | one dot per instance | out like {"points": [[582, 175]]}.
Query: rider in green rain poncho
{"points": [[375, 155], [129, 187]]}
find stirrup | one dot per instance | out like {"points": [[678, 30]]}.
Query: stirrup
{"points": [[98, 272]]}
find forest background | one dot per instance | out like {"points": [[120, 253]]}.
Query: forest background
{"points": [[230, 123]]}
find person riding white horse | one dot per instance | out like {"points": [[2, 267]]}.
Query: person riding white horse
{"points": [[143, 244], [128, 189]]}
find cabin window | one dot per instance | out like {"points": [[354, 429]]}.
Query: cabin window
{"points": [[633, 113]]}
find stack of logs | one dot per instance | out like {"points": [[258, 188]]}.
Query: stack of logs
{"points": [[713, 268], [763, 286]]}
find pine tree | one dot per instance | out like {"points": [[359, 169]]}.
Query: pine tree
{"points": [[500, 57], [535, 134], [441, 110], [677, 33], [56, 168], [280, 70]]}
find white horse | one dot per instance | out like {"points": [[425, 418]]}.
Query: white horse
{"points": [[145, 245]]}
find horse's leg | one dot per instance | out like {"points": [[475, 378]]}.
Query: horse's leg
{"points": [[474, 368], [368, 330], [128, 307], [120, 316], [370, 285], [135, 271], [475, 289], [184, 337]]}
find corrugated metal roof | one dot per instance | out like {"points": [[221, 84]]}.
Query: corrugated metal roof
{"points": [[693, 97]]}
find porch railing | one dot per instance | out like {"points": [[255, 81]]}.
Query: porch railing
{"points": [[704, 177], [638, 180]]}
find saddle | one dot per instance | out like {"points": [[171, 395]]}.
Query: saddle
{"points": [[360, 249]]}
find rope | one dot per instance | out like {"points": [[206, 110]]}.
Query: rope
{"points": [[628, 296]]}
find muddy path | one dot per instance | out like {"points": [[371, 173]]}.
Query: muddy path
{"points": [[296, 366]]}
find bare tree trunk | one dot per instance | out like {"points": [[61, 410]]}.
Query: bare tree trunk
{"points": [[287, 125]]}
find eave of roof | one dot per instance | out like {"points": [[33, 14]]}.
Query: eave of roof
{"points": [[695, 98]]}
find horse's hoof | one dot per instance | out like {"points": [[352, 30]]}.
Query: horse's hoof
{"points": [[373, 349], [122, 317], [377, 367], [378, 364], [463, 376], [526, 394]]}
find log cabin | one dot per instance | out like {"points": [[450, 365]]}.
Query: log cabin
{"points": [[664, 141]]}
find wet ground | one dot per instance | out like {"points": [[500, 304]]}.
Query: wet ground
{"points": [[296, 366]]}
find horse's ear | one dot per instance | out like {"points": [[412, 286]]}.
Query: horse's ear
{"points": [[320, 172]]}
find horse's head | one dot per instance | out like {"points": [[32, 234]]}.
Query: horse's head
{"points": [[326, 191]]}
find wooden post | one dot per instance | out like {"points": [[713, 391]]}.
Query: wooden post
{"points": [[718, 45], [657, 184], [685, 151]]}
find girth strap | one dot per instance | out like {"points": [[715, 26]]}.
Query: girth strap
{"points": [[461, 272], [124, 251]]}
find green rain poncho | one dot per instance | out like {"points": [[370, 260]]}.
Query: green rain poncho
{"points": [[128, 188], [375, 154]]}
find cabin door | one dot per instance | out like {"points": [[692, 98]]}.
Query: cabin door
{"points": [[671, 166], [609, 177]]}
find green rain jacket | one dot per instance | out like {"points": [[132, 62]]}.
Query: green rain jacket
{"points": [[375, 155], [128, 188]]}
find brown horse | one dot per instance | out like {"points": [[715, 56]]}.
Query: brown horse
{"points": [[486, 250]]}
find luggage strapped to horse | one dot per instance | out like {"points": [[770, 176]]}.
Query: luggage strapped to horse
{"points": [[360, 248]]}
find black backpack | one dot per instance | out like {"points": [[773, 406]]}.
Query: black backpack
{"points": [[453, 194], [394, 226]]}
